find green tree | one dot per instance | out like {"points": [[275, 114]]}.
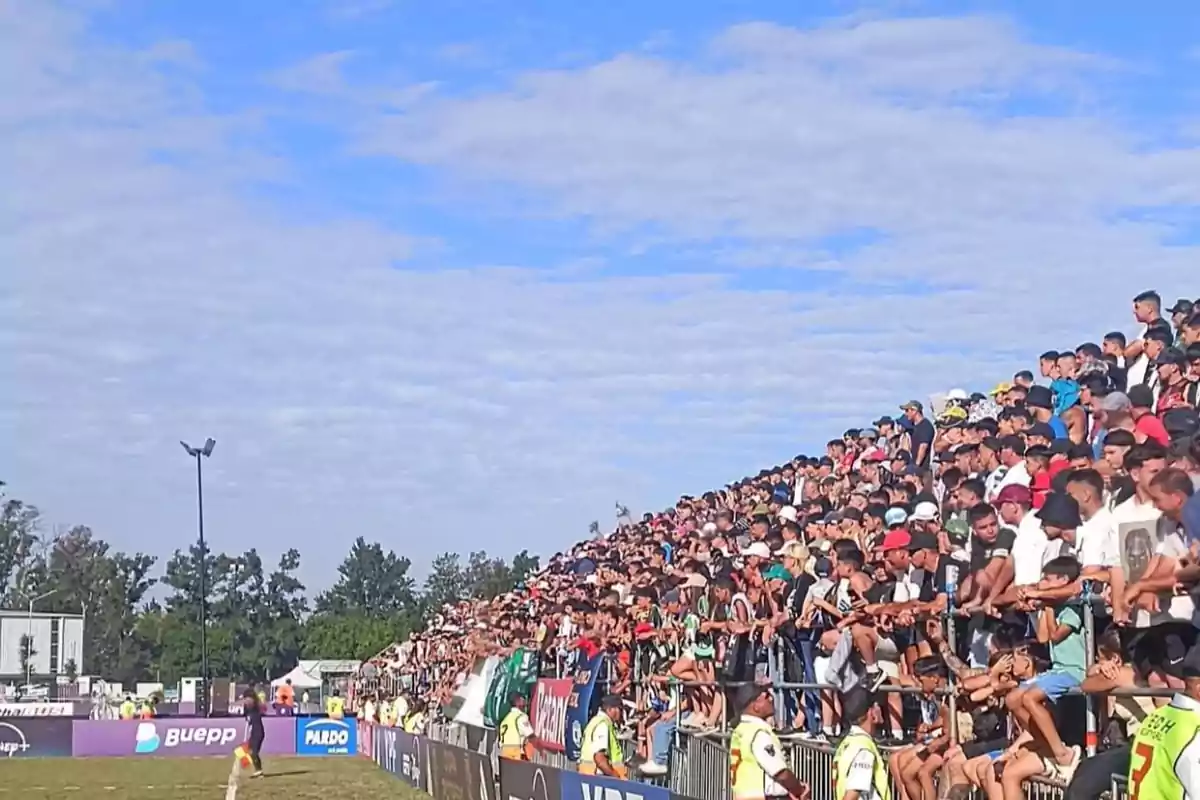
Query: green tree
{"points": [[370, 581], [448, 582], [19, 542]]}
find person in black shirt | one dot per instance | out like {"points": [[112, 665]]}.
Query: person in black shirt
{"points": [[253, 710], [922, 433]]}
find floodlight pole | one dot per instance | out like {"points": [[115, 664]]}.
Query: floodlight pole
{"points": [[197, 453]]}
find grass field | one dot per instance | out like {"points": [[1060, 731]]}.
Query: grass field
{"points": [[196, 778]]}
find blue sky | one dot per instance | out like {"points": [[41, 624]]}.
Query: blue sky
{"points": [[461, 275]]}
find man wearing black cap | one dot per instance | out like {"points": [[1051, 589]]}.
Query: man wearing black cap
{"points": [[600, 753], [1040, 402], [757, 767], [1165, 761], [1179, 313], [859, 773]]}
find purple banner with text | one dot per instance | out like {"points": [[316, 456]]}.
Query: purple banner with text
{"points": [[180, 736]]}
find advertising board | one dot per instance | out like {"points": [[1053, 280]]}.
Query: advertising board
{"points": [[459, 774], [321, 736], [597, 787], [524, 780], [176, 737], [34, 738], [8, 710]]}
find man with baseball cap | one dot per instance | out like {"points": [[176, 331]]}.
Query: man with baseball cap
{"points": [[601, 752], [758, 768], [859, 772]]}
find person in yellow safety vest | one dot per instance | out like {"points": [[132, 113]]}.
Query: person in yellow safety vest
{"points": [[147, 709], [335, 707], [600, 753], [1165, 761], [261, 694], [128, 708], [516, 732], [399, 710], [859, 773], [758, 769], [387, 712], [415, 721]]}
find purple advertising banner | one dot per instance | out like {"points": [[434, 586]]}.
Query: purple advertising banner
{"points": [[178, 736]]}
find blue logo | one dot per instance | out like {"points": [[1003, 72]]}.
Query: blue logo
{"points": [[147, 740], [325, 737]]}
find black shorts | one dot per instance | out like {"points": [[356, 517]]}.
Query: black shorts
{"points": [[1161, 648]]}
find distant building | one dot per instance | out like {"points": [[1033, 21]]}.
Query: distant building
{"points": [[56, 639]]}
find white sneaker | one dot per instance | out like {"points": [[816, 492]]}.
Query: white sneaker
{"points": [[653, 769]]}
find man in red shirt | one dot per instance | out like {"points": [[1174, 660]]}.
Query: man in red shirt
{"points": [[1145, 424]]}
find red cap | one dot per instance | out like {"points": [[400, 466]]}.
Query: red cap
{"points": [[1015, 493], [875, 455], [898, 539]]}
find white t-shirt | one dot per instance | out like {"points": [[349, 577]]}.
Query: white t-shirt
{"points": [[1017, 474], [1135, 521], [907, 588], [1029, 551], [1096, 541]]}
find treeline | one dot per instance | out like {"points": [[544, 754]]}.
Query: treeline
{"points": [[261, 619]]}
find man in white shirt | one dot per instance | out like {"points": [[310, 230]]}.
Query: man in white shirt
{"points": [[1151, 550], [1096, 538], [1029, 547], [1012, 456]]}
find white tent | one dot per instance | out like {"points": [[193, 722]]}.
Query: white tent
{"points": [[309, 674]]}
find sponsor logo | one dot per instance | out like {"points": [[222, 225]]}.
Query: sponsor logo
{"points": [[590, 792], [147, 740], [329, 737], [550, 712], [12, 740]]}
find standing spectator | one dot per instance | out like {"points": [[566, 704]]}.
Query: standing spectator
{"points": [[921, 433]]}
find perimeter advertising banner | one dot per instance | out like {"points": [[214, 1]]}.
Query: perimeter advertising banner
{"points": [[458, 774], [321, 736], [523, 780], [549, 712], [34, 738], [176, 737], [596, 787], [411, 760]]}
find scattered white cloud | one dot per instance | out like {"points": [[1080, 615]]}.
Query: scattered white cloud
{"points": [[355, 386]]}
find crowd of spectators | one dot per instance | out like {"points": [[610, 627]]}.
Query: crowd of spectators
{"points": [[1019, 545]]}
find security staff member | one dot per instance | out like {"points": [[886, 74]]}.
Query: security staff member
{"points": [[399, 710], [516, 732], [335, 706], [601, 751], [387, 712], [859, 773], [147, 709], [1165, 762], [757, 769], [128, 708], [415, 721]]}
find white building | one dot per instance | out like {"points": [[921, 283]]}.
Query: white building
{"points": [[56, 638]]}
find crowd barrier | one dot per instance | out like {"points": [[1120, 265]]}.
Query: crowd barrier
{"points": [[451, 772], [168, 737]]}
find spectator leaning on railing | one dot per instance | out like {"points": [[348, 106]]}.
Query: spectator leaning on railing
{"points": [[1017, 514]]}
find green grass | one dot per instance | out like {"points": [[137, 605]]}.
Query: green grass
{"points": [[196, 779]]}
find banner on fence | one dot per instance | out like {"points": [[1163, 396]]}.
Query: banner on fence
{"points": [[8, 710], [458, 774], [524, 780], [579, 705], [34, 738], [550, 698], [517, 675], [321, 736], [176, 737], [466, 706]]}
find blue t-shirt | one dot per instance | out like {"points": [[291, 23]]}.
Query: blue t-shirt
{"points": [[1059, 427]]}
